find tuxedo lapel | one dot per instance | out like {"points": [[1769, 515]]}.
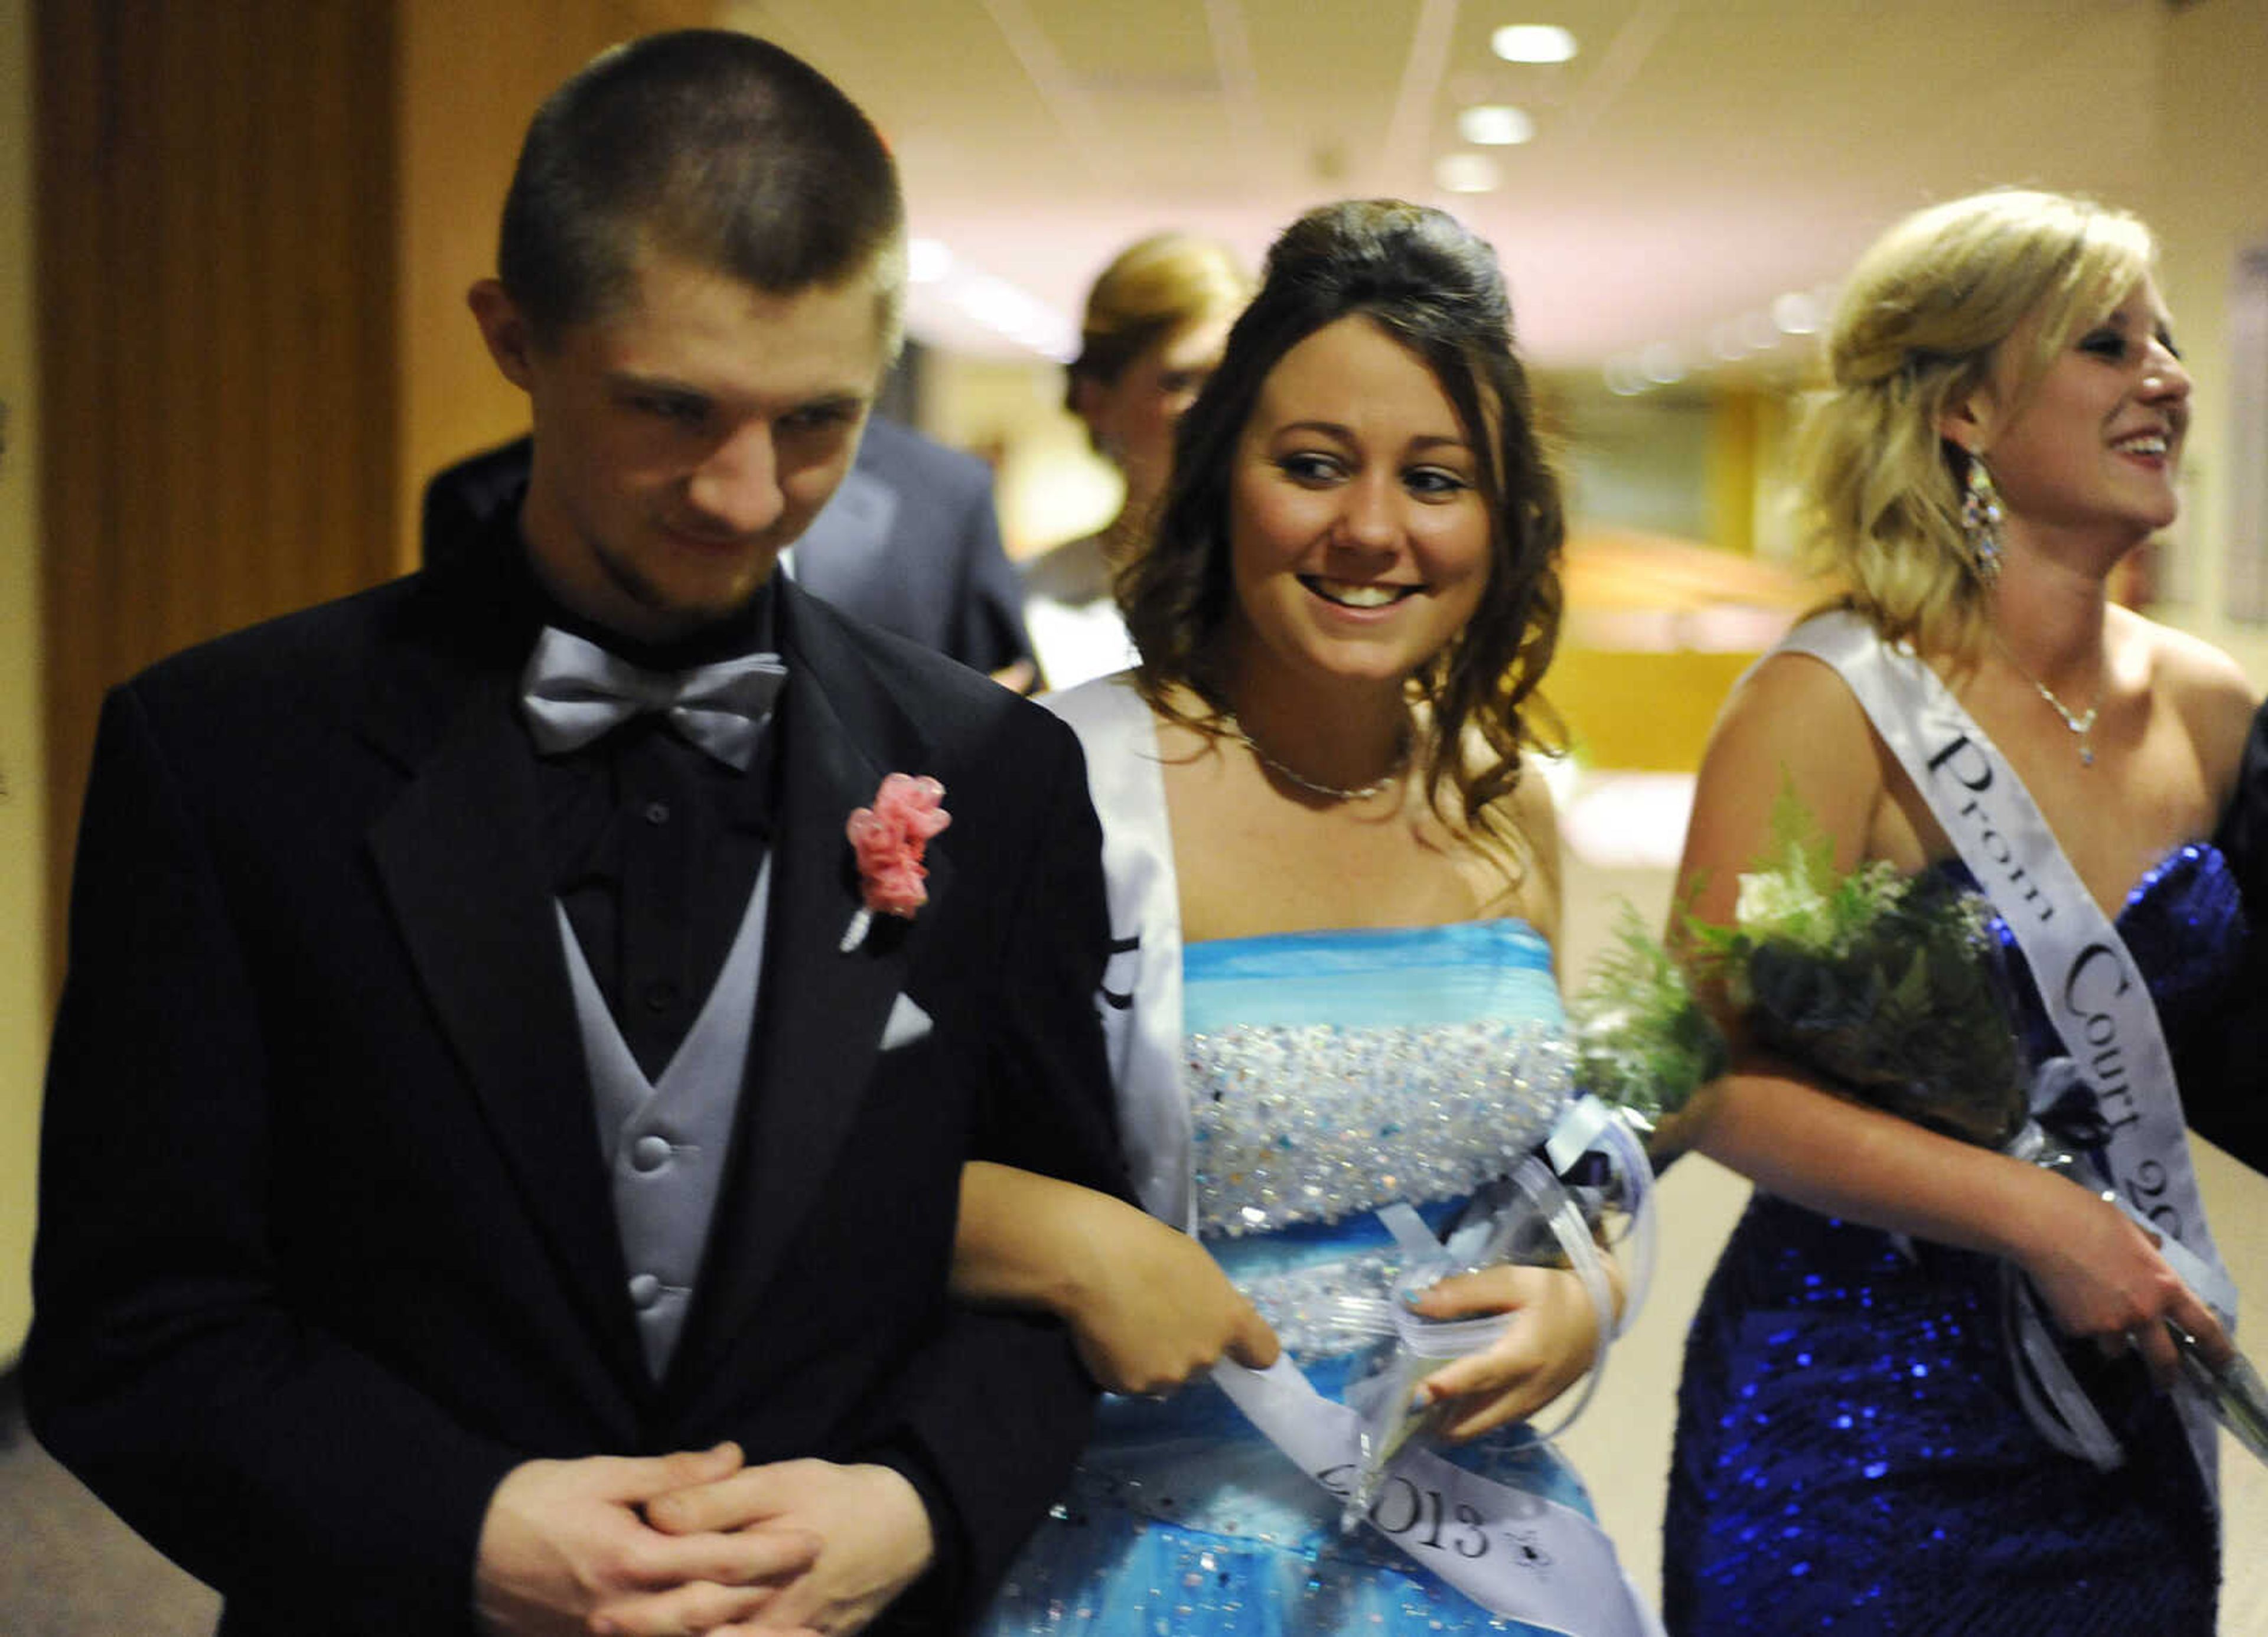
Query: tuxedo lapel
{"points": [[821, 1011], [458, 855]]}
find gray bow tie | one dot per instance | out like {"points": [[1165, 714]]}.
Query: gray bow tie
{"points": [[573, 691]]}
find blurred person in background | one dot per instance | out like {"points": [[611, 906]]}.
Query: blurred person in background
{"points": [[1155, 322]]}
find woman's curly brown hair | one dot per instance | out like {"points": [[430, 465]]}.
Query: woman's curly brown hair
{"points": [[1433, 286]]}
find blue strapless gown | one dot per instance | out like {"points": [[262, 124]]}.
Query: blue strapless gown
{"points": [[1850, 1454], [1330, 1072]]}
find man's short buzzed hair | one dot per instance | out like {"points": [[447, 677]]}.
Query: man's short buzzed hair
{"points": [[706, 144]]}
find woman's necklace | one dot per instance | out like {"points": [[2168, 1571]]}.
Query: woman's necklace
{"points": [[1330, 792], [2080, 723]]}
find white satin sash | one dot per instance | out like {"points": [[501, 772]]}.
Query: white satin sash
{"points": [[2095, 996], [1512, 1552]]}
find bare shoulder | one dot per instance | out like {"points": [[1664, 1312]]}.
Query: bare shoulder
{"points": [[1791, 730], [1790, 690], [1510, 854], [1533, 812], [1791, 718], [2206, 687], [2178, 660], [1536, 824]]}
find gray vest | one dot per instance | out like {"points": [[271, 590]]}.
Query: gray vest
{"points": [[665, 1142]]}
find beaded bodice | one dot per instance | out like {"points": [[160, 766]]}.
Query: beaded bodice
{"points": [[1304, 1123], [1333, 1073]]}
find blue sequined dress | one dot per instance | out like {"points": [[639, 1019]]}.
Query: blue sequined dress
{"points": [[1850, 1454], [1328, 1074]]}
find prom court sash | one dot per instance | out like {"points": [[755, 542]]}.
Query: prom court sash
{"points": [[1141, 997], [2097, 999], [1513, 1552]]}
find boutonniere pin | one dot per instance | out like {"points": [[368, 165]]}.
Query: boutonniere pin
{"points": [[888, 838]]}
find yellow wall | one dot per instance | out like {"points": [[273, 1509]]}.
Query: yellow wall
{"points": [[23, 797], [1735, 450], [2210, 202], [1051, 486], [1626, 709]]}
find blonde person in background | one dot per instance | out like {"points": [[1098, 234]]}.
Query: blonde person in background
{"points": [[1155, 322], [2003, 427]]}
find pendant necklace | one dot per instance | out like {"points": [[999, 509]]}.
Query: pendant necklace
{"points": [[2080, 723], [1330, 792]]}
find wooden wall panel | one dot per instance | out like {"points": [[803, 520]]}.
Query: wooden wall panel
{"points": [[257, 222], [219, 354], [473, 73]]}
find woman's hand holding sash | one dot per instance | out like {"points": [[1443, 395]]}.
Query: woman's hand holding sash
{"points": [[1643, 1048], [1512, 1552]]}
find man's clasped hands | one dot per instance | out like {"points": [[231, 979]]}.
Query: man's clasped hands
{"points": [[696, 1542]]}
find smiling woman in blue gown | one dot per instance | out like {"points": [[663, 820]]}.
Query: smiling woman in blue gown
{"points": [[1335, 882]]}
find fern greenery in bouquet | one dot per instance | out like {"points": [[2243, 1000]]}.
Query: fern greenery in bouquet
{"points": [[1890, 984], [1644, 1045]]}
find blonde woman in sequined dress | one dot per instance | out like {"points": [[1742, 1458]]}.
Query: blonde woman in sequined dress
{"points": [[1854, 1448], [1334, 884]]}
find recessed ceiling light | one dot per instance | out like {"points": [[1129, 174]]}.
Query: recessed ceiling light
{"points": [[1466, 173], [1662, 364], [1495, 125], [1533, 43], [1009, 310]]}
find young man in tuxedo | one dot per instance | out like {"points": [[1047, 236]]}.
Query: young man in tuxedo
{"points": [[495, 1176]]}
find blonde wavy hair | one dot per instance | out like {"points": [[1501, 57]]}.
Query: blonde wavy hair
{"points": [[1152, 290], [1928, 315]]}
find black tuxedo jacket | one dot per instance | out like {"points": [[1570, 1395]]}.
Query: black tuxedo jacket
{"points": [[326, 1243], [910, 541], [2227, 1101]]}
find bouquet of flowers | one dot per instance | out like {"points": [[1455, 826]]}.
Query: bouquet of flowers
{"points": [[1645, 1046], [1893, 988], [1642, 1047]]}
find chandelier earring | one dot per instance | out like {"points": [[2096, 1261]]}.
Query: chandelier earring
{"points": [[1980, 517]]}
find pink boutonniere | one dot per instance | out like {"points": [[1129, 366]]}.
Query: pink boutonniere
{"points": [[889, 838]]}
